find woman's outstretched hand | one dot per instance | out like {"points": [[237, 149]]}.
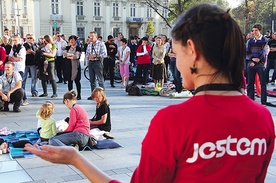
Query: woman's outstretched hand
{"points": [[54, 154]]}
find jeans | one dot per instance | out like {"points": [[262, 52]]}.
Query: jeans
{"points": [[269, 63], [95, 69], [32, 69], [252, 70], [22, 76], [70, 138], [176, 77], [15, 98]]}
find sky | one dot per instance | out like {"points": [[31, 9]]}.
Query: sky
{"points": [[234, 3]]}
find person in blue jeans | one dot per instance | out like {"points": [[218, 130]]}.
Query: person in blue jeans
{"points": [[257, 55], [95, 53], [30, 66], [77, 133], [176, 74]]}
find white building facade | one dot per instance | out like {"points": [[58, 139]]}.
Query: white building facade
{"points": [[79, 17]]}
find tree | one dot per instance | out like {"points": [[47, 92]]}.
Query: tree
{"points": [[150, 28], [170, 11], [254, 11]]}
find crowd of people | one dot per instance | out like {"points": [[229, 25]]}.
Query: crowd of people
{"points": [[218, 135]]}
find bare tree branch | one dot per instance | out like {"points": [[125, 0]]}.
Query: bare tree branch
{"points": [[154, 5]]}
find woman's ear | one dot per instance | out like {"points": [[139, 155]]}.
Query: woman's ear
{"points": [[193, 51]]}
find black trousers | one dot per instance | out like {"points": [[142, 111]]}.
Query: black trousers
{"points": [[15, 98], [60, 67], [109, 65]]}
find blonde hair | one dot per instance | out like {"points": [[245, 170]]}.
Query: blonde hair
{"points": [[47, 109], [98, 91]]}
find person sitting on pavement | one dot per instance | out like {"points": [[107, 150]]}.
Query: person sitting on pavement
{"points": [[11, 88], [77, 133], [219, 134], [101, 119]]}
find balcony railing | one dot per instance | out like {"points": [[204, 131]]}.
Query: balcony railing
{"points": [[56, 17]]}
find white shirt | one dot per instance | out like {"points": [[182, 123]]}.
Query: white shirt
{"points": [[19, 65]]}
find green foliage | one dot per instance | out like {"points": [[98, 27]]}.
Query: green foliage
{"points": [[150, 28], [254, 11]]}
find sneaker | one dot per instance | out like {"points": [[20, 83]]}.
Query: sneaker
{"points": [[25, 102], [89, 98], [272, 83], [54, 96], [34, 95], [5, 109]]}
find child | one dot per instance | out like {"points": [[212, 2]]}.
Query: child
{"points": [[47, 49], [46, 124], [101, 119]]}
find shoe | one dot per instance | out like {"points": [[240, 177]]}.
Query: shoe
{"points": [[5, 109], [108, 136], [46, 73], [78, 97], [65, 82], [16, 110], [272, 83], [59, 81], [1, 104], [112, 86], [43, 95], [89, 98], [34, 95], [25, 102], [54, 96]]}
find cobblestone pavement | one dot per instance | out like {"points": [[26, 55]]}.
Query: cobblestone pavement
{"points": [[130, 117]]}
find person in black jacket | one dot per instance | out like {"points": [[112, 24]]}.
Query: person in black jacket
{"points": [[109, 61]]}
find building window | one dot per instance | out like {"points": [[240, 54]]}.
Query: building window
{"points": [[149, 12], [165, 13], [25, 7], [116, 31], [80, 8], [115, 10], [55, 30], [4, 8], [12, 7], [132, 10], [80, 32], [55, 5], [97, 7], [98, 30]]}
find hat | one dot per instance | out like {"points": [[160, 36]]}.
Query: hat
{"points": [[145, 39], [109, 37]]}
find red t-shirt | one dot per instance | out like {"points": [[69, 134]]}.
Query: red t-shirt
{"points": [[2, 57], [208, 139]]}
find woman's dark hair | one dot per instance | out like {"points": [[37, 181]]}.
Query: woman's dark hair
{"points": [[71, 95], [73, 37], [216, 36]]}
